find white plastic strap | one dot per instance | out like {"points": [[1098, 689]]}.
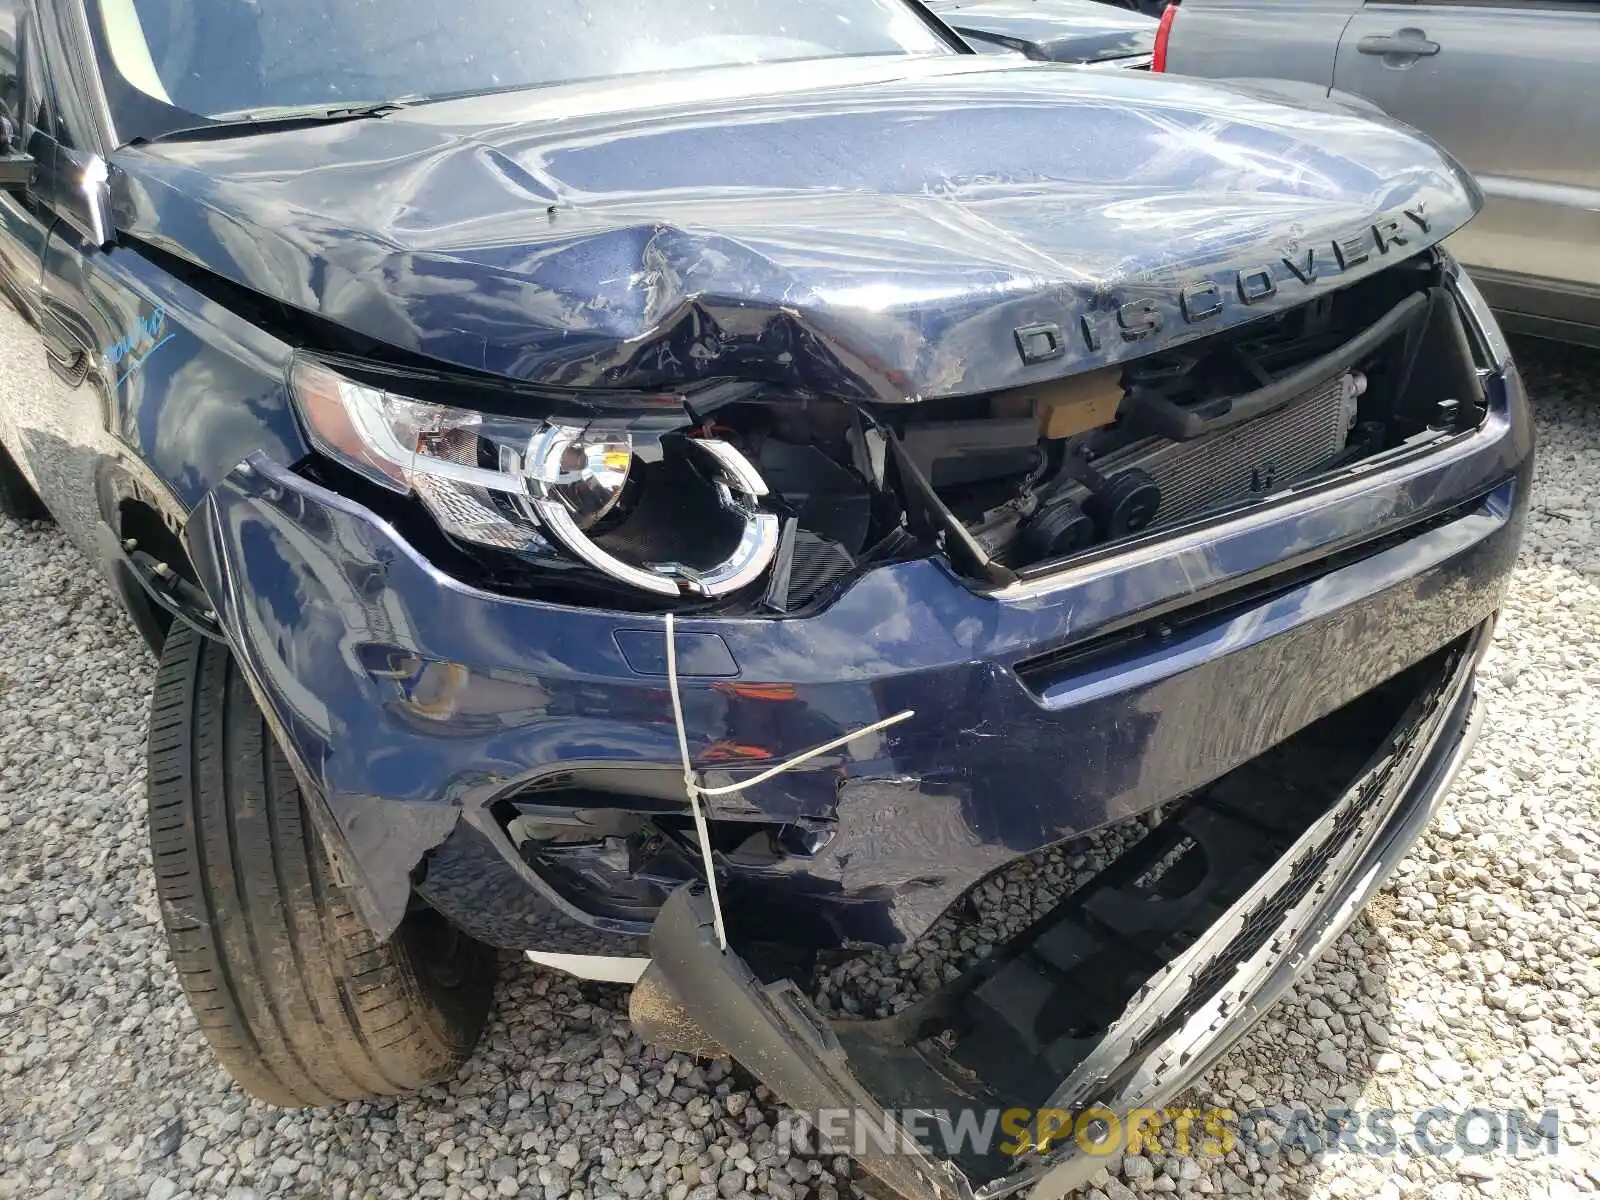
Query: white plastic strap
{"points": [[691, 782]]}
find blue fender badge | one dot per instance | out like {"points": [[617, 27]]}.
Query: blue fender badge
{"points": [[129, 352]]}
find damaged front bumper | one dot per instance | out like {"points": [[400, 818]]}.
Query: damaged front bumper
{"points": [[490, 752], [959, 1050], [433, 721]]}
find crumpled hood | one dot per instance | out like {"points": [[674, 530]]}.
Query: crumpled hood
{"points": [[889, 229], [1065, 31]]}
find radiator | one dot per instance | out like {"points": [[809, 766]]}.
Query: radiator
{"points": [[1262, 456]]}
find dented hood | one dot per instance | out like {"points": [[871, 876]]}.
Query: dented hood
{"points": [[889, 229]]}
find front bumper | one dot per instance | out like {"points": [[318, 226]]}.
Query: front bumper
{"points": [[414, 705], [1190, 1010]]}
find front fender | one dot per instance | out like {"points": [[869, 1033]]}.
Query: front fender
{"points": [[278, 616]]}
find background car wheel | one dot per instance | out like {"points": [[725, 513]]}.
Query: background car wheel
{"points": [[301, 1002], [17, 499]]}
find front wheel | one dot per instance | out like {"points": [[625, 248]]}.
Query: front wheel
{"points": [[299, 999]]}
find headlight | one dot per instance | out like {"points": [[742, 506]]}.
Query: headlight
{"points": [[520, 485]]}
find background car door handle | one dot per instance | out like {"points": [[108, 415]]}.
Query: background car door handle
{"points": [[1404, 43]]}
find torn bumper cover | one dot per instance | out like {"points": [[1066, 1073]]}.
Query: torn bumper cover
{"points": [[422, 711], [946, 1055], [418, 708]]}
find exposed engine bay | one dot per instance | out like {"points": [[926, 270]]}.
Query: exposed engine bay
{"points": [[734, 497], [1224, 421]]}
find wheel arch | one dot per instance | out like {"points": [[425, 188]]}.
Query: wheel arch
{"points": [[145, 555]]}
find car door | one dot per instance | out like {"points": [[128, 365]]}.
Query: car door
{"points": [[25, 221], [1506, 86], [1258, 39]]}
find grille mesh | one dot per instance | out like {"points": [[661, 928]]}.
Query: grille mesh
{"points": [[1258, 457], [817, 563], [1375, 796]]}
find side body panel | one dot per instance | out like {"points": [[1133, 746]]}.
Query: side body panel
{"points": [[153, 393], [1259, 39], [1508, 88]]}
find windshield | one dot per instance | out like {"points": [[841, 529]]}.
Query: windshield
{"points": [[231, 58]]}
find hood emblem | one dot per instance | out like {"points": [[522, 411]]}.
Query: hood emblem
{"points": [[1144, 317]]}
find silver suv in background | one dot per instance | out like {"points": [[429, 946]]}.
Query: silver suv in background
{"points": [[1506, 85]]}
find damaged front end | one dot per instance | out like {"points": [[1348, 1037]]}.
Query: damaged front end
{"points": [[455, 613], [1115, 998], [734, 499], [1179, 475]]}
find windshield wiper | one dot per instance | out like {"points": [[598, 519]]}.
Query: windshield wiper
{"points": [[272, 121]]}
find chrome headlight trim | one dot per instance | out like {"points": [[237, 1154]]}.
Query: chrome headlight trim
{"points": [[556, 480], [739, 488]]}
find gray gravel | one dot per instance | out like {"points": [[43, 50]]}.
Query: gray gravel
{"points": [[1474, 980]]}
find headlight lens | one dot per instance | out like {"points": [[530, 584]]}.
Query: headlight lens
{"points": [[520, 485], [585, 471]]}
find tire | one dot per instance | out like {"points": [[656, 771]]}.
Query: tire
{"points": [[298, 998], [17, 500]]}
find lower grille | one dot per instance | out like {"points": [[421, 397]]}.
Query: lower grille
{"points": [[1267, 917], [1266, 454], [1165, 926], [1353, 820]]}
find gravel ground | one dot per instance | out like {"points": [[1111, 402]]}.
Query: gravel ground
{"points": [[1472, 981]]}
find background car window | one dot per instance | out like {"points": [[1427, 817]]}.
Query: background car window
{"points": [[227, 57]]}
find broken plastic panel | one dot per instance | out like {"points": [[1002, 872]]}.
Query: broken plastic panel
{"points": [[1123, 990]]}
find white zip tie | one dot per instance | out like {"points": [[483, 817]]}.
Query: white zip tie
{"points": [[691, 783]]}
